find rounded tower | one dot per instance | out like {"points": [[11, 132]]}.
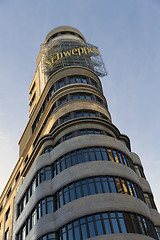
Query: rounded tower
{"points": [[80, 178]]}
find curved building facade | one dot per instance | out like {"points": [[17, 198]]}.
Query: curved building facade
{"points": [[76, 177]]}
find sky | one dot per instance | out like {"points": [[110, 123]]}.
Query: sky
{"points": [[127, 34]]}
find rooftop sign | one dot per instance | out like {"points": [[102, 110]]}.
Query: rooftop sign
{"points": [[71, 53]]}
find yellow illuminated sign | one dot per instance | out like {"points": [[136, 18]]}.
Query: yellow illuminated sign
{"points": [[75, 51]]}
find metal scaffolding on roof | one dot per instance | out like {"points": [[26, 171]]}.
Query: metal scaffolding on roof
{"points": [[63, 53]]}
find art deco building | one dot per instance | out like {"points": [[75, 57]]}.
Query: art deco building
{"points": [[76, 177]]}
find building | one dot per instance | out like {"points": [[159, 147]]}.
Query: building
{"points": [[76, 177]]}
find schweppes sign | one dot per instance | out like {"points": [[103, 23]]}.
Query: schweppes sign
{"points": [[64, 53], [51, 60]]}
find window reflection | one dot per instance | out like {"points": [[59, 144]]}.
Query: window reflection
{"points": [[105, 223], [77, 157]]}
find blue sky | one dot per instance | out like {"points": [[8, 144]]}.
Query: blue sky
{"points": [[127, 34]]}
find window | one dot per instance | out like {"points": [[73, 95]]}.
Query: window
{"points": [[60, 83], [7, 214], [139, 171], [149, 200], [6, 235], [77, 157], [18, 175], [9, 192], [104, 223]]}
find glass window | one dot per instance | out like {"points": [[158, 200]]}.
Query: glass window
{"points": [[84, 80], [112, 185], [62, 163], [79, 156], [99, 224], [86, 114], [7, 214], [91, 186], [73, 158], [122, 223], [118, 184], [43, 207], [110, 155], [98, 154], [76, 230], [79, 114], [72, 192], [104, 154], [70, 232], [106, 223], [115, 156], [66, 195], [92, 114], [125, 189], [114, 223], [48, 173], [78, 190], [158, 231], [72, 80], [85, 155], [83, 228], [6, 235], [98, 185], [92, 154], [105, 185], [84, 187], [50, 208], [41, 175], [91, 227]]}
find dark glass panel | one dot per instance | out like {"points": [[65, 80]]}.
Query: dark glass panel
{"points": [[105, 185], [63, 164], [98, 185], [78, 190], [84, 187], [66, 196], [48, 173], [70, 232], [112, 185], [92, 154], [42, 175], [91, 229], [76, 230], [128, 222], [85, 155], [91, 186], [135, 223], [83, 228], [72, 192], [104, 154], [43, 207], [79, 156], [99, 225], [50, 208], [73, 158], [92, 114], [68, 161], [98, 154]]}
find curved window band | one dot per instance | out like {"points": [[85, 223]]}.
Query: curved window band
{"points": [[90, 186], [59, 84], [76, 133], [71, 159], [68, 98], [79, 189], [99, 224]]}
